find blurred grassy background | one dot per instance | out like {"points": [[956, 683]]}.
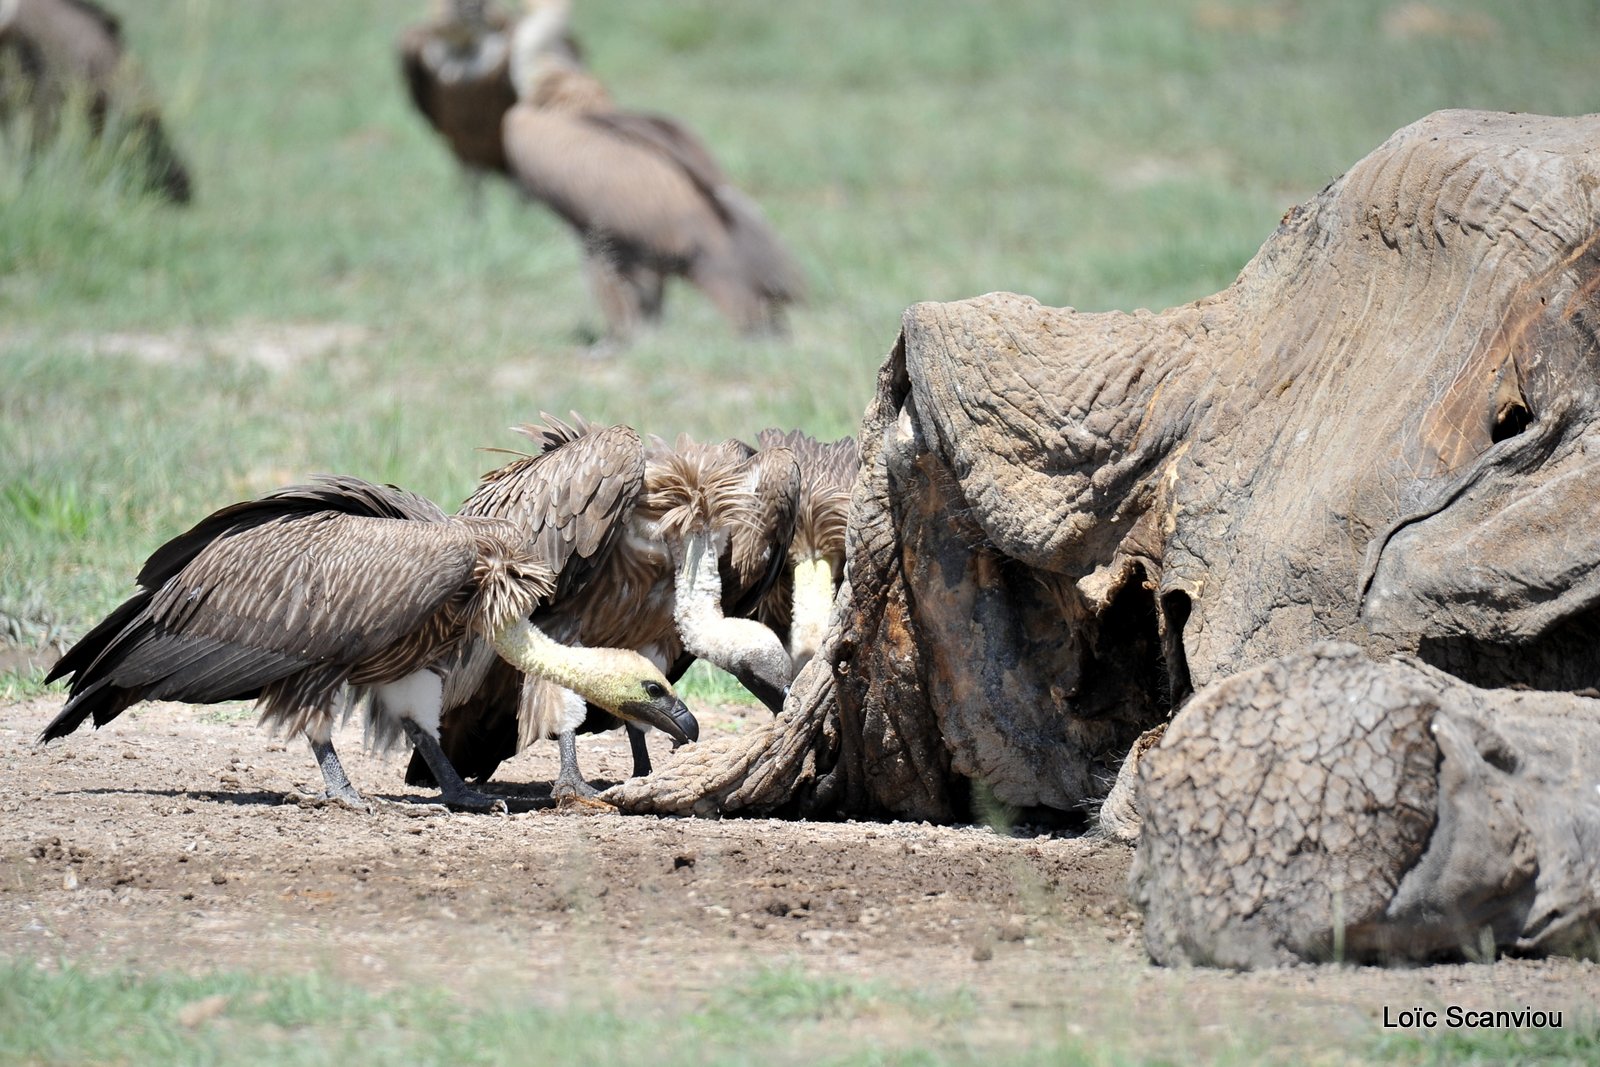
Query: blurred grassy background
{"points": [[331, 304]]}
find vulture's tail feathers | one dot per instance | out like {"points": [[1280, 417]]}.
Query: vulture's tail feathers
{"points": [[764, 261], [82, 655], [550, 433], [102, 700]]}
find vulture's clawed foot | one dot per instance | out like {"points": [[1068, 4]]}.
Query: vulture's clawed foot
{"points": [[572, 793], [348, 799], [453, 792], [472, 800], [572, 788]]}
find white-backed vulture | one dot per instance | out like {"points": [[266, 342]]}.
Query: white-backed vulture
{"points": [[55, 52], [644, 195], [292, 597], [458, 70], [708, 534], [798, 606]]}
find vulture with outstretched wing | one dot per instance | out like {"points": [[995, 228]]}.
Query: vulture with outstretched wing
{"points": [[292, 597], [703, 545], [643, 193]]}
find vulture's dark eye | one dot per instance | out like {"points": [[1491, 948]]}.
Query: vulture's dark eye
{"points": [[654, 691]]}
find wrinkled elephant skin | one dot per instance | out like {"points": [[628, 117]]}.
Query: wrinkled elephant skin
{"points": [[1324, 806]]}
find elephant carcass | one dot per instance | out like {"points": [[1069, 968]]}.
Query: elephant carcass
{"points": [[1065, 523]]}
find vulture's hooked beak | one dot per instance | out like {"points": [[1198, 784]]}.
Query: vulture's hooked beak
{"points": [[666, 713]]}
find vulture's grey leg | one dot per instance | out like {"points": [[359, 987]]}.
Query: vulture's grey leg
{"points": [[336, 784], [641, 754], [617, 297], [454, 792], [569, 783], [649, 287]]}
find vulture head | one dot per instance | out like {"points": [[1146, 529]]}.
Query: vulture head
{"points": [[631, 687], [762, 664], [619, 680]]}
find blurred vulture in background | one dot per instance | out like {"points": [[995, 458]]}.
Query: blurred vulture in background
{"points": [[293, 597], [643, 193], [703, 545], [800, 602], [55, 54], [457, 68]]}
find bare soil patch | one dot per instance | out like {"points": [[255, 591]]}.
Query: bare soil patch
{"points": [[164, 843], [275, 346]]}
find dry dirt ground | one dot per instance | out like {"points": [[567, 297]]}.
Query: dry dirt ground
{"points": [[164, 843]]}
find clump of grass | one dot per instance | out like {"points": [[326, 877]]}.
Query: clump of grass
{"points": [[703, 683], [53, 509], [70, 198], [991, 811], [21, 683], [788, 993]]}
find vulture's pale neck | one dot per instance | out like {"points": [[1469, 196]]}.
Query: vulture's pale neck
{"points": [[535, 38], [604, 676], [8, 12], [735, 645], [813, 602]]}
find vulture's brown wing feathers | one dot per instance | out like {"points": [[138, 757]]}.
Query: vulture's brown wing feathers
{"points": [[757, 552], [828, 473], [335, 493], [261, 591], [572, 500], [670, 140], [615, 188], [352, 496], [762, 257]]}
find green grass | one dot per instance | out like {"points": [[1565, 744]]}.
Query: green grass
{"points": [[69, 1015], [1097, 155], [21, 684], [66, 1014], [705, 684]]}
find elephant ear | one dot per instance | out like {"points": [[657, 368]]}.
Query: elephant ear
{"points": [[1053, 422], [933, 593]]}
